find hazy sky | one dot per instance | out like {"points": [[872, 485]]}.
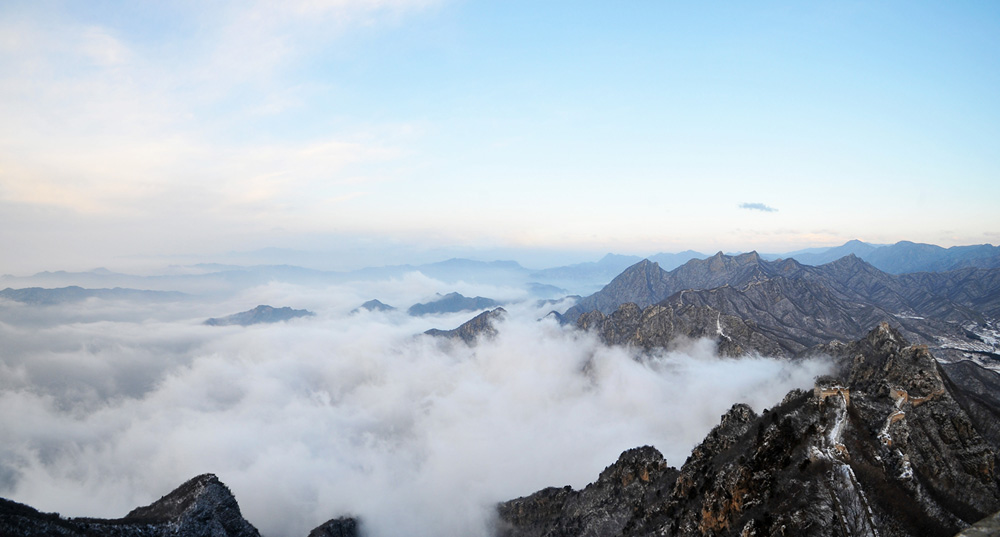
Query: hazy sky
{"points": [[138, 128]]}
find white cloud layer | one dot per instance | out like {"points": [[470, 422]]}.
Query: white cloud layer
{"points": [[341, 414]]}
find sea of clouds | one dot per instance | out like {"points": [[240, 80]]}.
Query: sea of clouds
{"points": [[108, 405]]}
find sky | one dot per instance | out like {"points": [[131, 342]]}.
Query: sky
{"points": [[132, 129]]}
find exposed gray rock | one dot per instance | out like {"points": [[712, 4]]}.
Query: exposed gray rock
{"points": [[605, 507], [201, 507], [337, 527], [481, 325], [666, 326]]}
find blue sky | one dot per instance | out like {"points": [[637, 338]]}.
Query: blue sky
{"points": [[141, 128]]}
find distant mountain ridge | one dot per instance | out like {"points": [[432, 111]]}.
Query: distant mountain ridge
{"points": [[39, 296], [260, 314], [784, 307], [906, 257], [452, 303]]}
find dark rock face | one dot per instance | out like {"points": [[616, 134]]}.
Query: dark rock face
{"points": [[665, 325], [977, 390], [337, 527], [883, 448], [987, 527], [452, 303], [605, 507], [202, 507], [258, 315], [481, 325], [373, 305]]}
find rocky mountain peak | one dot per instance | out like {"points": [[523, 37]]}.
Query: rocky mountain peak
{"points": [[748, 258], [203, 506], [482, 325], [181, 499], [636, 465], [337, 527]]}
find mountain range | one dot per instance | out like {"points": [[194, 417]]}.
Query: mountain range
{"points": [[578, 278], [902, 440], [784, 307]]}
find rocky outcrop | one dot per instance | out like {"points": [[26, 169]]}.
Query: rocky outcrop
{"points": [[201, 507], [883, 448], [482, 325], [259, 315], [609, 506], [337, 527]]}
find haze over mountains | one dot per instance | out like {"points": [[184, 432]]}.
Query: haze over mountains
{"points": [[427, 418]]}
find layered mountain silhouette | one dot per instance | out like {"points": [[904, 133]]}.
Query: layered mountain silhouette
{"points": [[905, 256], [885, 448], [39, 296], [452, 303], [260, 314], [784, 307]]}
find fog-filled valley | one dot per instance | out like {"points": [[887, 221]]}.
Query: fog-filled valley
{"points": [[110, 403]]}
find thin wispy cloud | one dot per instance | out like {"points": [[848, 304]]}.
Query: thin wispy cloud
{"points": [[758, 207]]}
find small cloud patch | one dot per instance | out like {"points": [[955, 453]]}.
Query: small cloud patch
{"points": [[758, 207]]}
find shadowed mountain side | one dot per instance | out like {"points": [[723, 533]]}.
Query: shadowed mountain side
{"points": [[667, 326], [978, 391], [481, 325], [884, 449], [337, 527], [604, 507], [646, 283], [201, 507], [905, 257]]}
